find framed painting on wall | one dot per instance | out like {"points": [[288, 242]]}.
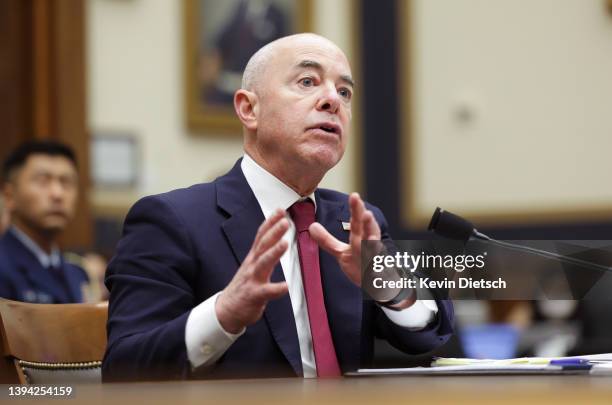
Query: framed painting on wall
{"points": [[220, 37]]}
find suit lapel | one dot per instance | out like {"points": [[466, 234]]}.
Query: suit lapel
{"points": [[343, 300], [236, 198], [279, 315]]}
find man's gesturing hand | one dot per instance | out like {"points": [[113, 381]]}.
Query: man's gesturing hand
{"points": [[244, 299], [363, 227]]}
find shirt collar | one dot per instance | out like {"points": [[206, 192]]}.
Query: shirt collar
{"points": [[270, 192], [46, 260]]}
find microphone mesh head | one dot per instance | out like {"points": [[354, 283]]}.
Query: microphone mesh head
{"points": [[449, 225]]}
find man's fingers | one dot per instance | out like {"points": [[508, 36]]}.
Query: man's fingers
{"points": [[271, 236], [326, 240], [267, 224], [264, 228], [356, 206], [371, 230], [272, 291], [264, 264]]}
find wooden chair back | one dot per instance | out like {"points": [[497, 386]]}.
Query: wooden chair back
{"points": [[51, 336]]}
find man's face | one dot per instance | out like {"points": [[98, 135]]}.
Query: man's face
{"points": [[42, 194], [304, 107]]}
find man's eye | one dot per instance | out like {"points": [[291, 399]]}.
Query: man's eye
{"points": [[346, 93], [42, 179], [307, 82], [68, 182]]}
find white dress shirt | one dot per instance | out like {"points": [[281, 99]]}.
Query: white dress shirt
{"points": [[206, 340]]}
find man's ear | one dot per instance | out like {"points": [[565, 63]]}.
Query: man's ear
{"points": [[245, 104], [7, 195]]}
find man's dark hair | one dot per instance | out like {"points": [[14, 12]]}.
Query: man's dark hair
{"points": [[20, 155]]}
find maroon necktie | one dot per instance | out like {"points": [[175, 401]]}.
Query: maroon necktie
{"points": [[303, 214]]}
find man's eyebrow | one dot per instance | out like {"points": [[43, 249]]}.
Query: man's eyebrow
{"points": [[312, 64], [307, 63], [348, 79]]}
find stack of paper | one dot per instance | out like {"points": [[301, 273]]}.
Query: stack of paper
{"points": [[457, 361], [597, 364]]}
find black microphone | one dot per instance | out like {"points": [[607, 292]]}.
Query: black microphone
{"points": [[451, 226]]}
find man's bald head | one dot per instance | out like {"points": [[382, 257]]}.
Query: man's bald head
{"points": [[295, 108], [256, 67]]}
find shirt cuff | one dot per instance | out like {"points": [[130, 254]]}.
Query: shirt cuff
{"points": [[205, 338], [415, 317]]}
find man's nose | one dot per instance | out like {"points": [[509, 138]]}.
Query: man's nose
{"points": [[329, 100], [56, 190]]}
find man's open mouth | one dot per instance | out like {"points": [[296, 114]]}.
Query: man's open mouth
{"points": [[328, 127]]}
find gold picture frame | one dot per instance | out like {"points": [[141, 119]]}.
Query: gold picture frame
{"points": [[219, 37]]}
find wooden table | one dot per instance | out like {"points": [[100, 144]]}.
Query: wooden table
{"points": [[515, 390]]}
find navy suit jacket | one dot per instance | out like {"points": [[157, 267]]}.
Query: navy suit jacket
{"points": [[23, 278], [181, 247]]}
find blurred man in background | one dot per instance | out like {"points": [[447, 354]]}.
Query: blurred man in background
{"points": [[40, 191]]}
